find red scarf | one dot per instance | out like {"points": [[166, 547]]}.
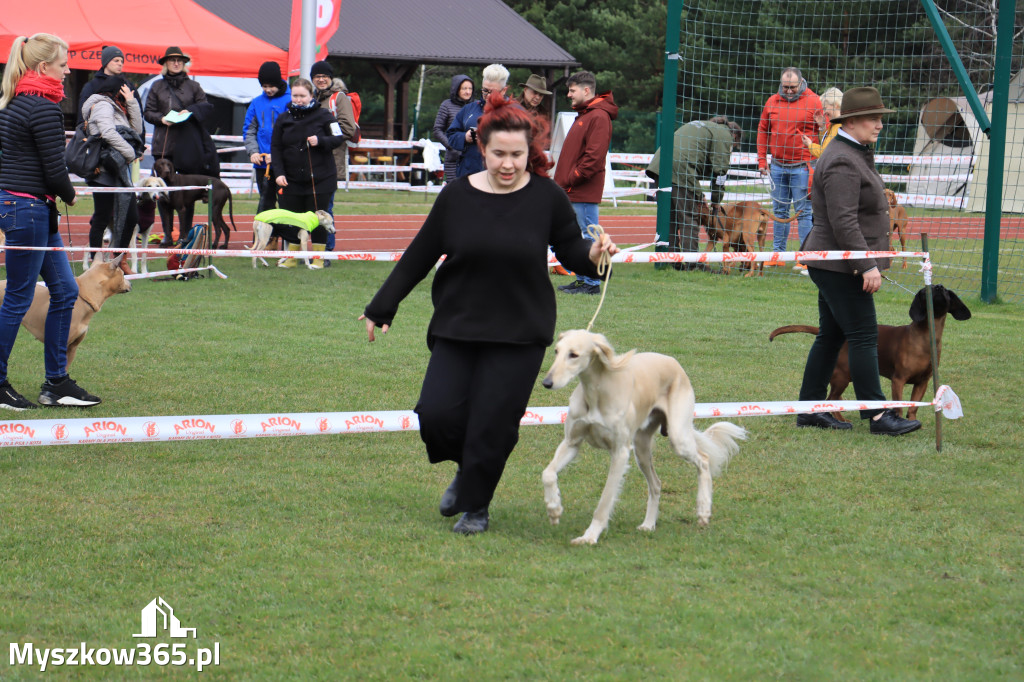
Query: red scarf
{"points": [[34, 83]]}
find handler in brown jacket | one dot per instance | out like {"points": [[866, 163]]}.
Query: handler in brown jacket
{"points": [[850, 214]]}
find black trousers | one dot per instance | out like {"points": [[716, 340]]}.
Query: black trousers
{"points": [[267, 188], [845, 313], [473, 398], [301, 203], [103, 212]]}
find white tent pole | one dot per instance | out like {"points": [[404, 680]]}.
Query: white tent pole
{"points": [[308, 50]]}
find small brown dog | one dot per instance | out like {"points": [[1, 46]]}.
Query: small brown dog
{"points": [[95, 286], [898, 220], [904, 353], [184, 203]]}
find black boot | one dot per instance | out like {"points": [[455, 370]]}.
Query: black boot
{"points": [[449, 495], [472, 523]]}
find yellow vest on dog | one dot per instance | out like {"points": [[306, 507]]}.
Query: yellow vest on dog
{"points": [[307, 221]]}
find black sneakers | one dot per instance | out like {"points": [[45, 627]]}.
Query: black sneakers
{"points": [[447, 506], [12, 400], [579, 287], [65, 391], [891, 424], [472, 523]]}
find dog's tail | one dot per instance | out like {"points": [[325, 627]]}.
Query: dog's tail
{"points": [[718, 442], [231, 210], [792, 328]]}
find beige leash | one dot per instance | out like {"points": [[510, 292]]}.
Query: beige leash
{"points": [[604, 265]]}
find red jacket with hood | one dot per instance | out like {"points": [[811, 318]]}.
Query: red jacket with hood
{"points": [[782, 123], [581, 163]]}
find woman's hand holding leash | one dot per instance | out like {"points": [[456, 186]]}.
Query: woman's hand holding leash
{"points": [[370, 324], [602, 245], [872, 280], [312, 140]]}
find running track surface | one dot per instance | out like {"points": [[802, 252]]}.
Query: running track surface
{"points": [[394, 232]]}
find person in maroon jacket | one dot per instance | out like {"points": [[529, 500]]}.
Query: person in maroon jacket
{"points": [[581, 163]]}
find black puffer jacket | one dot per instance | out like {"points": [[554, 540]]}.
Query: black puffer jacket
{"points": [[292, 156], [32, 148]]}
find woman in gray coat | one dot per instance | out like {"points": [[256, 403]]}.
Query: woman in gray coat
{"points": [[461, 93], [850, 214]]}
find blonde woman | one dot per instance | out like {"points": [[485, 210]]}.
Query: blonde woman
{"points": [[831, 101], [32, 175]]}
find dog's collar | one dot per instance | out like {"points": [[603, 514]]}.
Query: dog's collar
{"points": [[95, 308]]}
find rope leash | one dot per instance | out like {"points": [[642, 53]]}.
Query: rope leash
{"points": [[604, 265]]}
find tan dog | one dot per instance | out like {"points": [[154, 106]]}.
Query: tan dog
{"points": [[622, 400], [95, 286], [742, 227], [263, 233], [898, 220]]}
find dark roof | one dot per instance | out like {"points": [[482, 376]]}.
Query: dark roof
{"points": [[418, 31]]}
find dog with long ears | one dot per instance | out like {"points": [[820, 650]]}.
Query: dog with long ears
{"points": [[621, 402], [101, 281], [898, 220], [184, 202], [904, 353]]}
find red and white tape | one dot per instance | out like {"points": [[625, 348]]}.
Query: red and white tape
{"points": [[111, 430]]}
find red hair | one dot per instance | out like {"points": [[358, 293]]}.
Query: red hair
{"points": [[505, 116]]}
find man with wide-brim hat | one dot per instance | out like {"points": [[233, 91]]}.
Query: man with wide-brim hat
{"points": [[851, 213], [535, 89], [174, 52]]}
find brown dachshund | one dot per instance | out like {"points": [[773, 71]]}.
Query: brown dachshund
{"points": [[904, 353], [184, 202], [898, 220]]}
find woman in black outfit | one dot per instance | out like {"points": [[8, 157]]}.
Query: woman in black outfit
{"points": [[494, 306], [302, 152], [851, 213]]}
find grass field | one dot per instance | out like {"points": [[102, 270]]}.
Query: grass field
{"points": [[829, 556]]}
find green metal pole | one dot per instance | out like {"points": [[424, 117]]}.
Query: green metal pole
{"points": [[958, 66], [666, 132], [997, 150]]}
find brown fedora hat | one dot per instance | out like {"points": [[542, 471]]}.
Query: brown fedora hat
{"points": [[861, 102], [537, 84], [174, 52]]}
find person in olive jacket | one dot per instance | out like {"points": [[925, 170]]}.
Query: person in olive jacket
{"points": [[301, 152], [851, 213]]}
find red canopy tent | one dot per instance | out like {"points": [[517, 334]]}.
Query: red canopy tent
{"points": [[143, 29]]}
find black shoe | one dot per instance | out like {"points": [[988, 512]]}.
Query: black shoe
{"points": [[65, 392], [449, 495], [165, 244], [587, 289], [822, 420], [890, 424], [12, 400], [571, 287], [472, 523]]}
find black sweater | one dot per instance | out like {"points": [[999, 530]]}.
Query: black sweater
{"points": [[32, 148], [493, 285]]}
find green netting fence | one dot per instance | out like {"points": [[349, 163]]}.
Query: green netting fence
{"points": [[934, 153]]}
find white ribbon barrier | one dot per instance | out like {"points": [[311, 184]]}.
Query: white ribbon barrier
{"points": [[110, 430], [622, 257], [136, 190], [150, 275]]}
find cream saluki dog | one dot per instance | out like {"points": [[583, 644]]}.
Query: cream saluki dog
{"points": [[622, 400]]}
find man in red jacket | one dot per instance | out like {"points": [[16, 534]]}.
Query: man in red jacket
{"points": [[787, 116], [581, 163]]}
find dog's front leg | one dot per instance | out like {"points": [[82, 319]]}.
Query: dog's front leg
{"points": [[620, 462], [565, 453]]}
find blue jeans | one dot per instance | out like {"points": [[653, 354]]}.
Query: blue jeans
{"points": [[790, 186], [586, 214], [26, 222]]}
